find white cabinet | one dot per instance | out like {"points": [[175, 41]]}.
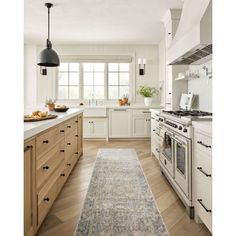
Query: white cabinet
{"points": [[173, 89], [95, 127], [141, 121], [202, 177], [119, 123]]}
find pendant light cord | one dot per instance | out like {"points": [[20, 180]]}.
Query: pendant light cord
{"points": [[49, 23]]}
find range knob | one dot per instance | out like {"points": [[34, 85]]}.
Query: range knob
{"points": [[180, 128], [185, 130]]}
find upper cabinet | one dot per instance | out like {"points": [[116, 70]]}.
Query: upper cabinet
{"points": [[171, 21]]}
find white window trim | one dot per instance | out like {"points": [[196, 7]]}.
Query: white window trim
{"points": [[68, 59]]}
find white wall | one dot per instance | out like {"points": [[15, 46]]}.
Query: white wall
{"points": [[45, 85], [203, 88]]}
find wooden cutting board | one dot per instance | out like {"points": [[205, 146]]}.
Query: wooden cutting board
{"points": [[30, 119]]}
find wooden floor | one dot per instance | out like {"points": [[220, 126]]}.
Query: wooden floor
{"points": [[64, 214]]}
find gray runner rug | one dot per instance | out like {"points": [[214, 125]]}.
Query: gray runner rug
{"points": [[119, 201]]}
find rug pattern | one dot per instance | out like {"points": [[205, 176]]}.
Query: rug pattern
{"points": [[119, 201]]}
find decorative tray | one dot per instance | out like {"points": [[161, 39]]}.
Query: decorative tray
{"points": [[38, 118], [61, 109]]}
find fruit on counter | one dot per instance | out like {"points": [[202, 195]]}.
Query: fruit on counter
{"points": [[35, 113], [43, 113], [60, 106]]}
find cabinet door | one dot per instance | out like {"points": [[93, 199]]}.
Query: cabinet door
{"points": [[29, 188], [141, 126], [98, 128], [86, 128], [119, 123]]}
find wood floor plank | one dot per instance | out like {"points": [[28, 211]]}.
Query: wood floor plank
{"points": [[64, 214]]}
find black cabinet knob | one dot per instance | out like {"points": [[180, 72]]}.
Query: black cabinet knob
{"points": [[76, 153], [47, 199], [76, 135], [62, 150], [45, 141], [68, 126], [69, 164], [62, 131], [63, 175], [76, 121], [185, 130], [68, 143], [45, 167]]}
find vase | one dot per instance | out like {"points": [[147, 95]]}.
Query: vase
{"points": [[148, 101], [51, 107]]}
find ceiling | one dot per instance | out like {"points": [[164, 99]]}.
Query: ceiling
{"points": [[97, 21]]}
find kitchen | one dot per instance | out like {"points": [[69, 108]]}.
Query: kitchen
{"points": [[118, 120]]}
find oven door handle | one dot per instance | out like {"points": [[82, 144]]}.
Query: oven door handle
{"points": [[182, 143]]}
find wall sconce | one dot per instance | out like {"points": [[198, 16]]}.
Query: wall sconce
{"points": [[43, 70], [141, 65]]}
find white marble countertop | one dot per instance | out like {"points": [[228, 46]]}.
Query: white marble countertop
{"points": [[203, 126], [132, 106], [33, 128]]}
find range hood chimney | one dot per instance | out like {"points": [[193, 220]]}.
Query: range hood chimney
{"points": [[192, 43]]}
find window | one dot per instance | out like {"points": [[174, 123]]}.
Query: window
{"points": [[93, 80], [118, 80], [68, 81]]}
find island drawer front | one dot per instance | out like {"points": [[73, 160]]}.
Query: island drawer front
{"points": [[203, 162], [203, 143], [71, 145], [45, 141], [48, 194], [204, 199], [71, 126], [47, 164]]}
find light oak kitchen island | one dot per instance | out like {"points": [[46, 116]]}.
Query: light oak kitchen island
{"points": [[51, 150]]}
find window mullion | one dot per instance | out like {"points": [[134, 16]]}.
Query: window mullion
{"points": [[106, 82], [81, 81]]}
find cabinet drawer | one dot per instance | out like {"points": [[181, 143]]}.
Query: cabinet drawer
{"points": [[71, 145], [203, 161], [48, 194], [71, 126], [47, 140], [203, 143], [63, 177], [48, 163], [141, 112], [204, 198]]}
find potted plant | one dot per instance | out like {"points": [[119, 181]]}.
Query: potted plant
{"points": [[147, 93], [50, 103]]}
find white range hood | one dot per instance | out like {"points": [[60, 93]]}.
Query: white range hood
{"points": [[192, 43]]}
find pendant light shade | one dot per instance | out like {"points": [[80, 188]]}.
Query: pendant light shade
{"points": [[48, 57]]}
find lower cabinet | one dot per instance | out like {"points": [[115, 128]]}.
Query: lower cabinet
{"points": [[95, 127], [29, 188], [141, 121], [47, 167], [120, 123], [202, 178]]}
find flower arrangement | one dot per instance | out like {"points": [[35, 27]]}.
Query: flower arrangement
{"points": [[146, 91]]}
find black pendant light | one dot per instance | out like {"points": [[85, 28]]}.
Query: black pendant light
{"points": [[48, 57]]}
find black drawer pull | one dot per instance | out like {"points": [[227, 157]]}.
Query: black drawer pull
{"points": [[45, 167], [62, 131], [68, 126], [200, 169], [203, 144], [69, 164], [45, 141], [76, 153], [46, 199], [153, 130], [165, 162], [62, 150], [76, 121], [63, 175], [200, 201], [28, 147], [68, 143], [76, 135]]}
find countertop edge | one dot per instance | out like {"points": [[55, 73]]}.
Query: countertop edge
{"points": [[53, 122]]}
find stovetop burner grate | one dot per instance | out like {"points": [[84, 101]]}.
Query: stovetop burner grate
{"points": [[194, 113]]}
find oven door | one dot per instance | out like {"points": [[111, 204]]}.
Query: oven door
{"points": [[183, 164], [167, 152]]}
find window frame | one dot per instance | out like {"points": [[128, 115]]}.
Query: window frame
{"points": [[106, 85]]}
